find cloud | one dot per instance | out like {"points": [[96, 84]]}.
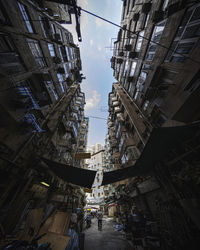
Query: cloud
{"points": [[99, 47], [91, 42], [93, 101], [101, 23]]}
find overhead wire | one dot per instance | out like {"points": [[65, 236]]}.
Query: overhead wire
{"points": [[97, 117], [138, 35]]}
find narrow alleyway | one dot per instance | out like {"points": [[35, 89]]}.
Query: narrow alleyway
{"points": [[106, 239]]}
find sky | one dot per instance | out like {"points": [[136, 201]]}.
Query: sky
{"points": [[96, 35]]}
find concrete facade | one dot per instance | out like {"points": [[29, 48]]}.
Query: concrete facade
{"points": [[156, 66], [42, 111], [97, 163]]}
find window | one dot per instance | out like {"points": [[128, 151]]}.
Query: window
{"points": [[36, 52], [42, 26], [53, 28], [186, 36], [139, 41], [30, 119], [72, 52], [132, 71], [66, 70], [131, 89], [118, 130], [61, 36], [156, 36], [26, 18], [67, 52], [51, 49], [136, 94], [60, 52], [9, 58], [165, 4], [130, 154], [25, 98], [51, 89], [60, 79], [141, 80], [166, 80]]}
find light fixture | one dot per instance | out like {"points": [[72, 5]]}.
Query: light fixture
{"points": [[45, 184]]}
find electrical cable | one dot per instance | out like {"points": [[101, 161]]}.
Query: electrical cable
{"points": [[117, 25], [96, 117]]}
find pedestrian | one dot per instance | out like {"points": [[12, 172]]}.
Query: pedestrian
{"points": [[99, 217], [88, 220]]}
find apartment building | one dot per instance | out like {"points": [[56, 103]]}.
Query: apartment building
{"points": [[60, 12], [156, 66], [109, 189], [97, 163], [83, 138], [156, 59], [41, 107], [155, 63]]}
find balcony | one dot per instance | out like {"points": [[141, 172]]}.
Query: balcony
{"points": [[131, 154], [61, 70], [120, 117], [70, 126], [117, 109], [116, 103], [114, 99], [23, 100], [30, 125], [128, 142]]}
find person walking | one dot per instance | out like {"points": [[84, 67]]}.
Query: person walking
{"points": [[99, 217]]}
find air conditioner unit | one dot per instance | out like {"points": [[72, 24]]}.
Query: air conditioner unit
{"points": [[133, 54], [61, 70], [130, 78], [171, 9], [136, 17], [128, 47], [49, 11], [112, 59], [158, 16], [146, 7], [121, 53], [57, 37], [56, 60], [119, 60]]}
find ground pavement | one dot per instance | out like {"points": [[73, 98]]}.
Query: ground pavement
{"points": [[107, 239]]}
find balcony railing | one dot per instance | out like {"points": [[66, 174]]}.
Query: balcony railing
{"points": [[30, 124], [26, 100]]}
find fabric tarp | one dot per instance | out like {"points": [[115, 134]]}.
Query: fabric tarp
{"points": [[161, 141], [77, 176]]}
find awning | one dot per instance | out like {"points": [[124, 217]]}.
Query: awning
{"points": [[161, 141], [77, 176]]}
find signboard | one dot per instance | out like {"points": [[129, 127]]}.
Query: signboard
{"points": [[83, 156], [87, 190]]}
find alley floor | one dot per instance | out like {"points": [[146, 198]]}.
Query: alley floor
{"points": [[107, 239]]}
